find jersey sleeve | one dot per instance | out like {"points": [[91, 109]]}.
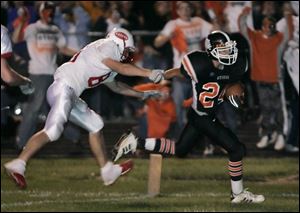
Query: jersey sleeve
{"points": [[188, 68], [108, 50], [6, 46], [184, 72]]}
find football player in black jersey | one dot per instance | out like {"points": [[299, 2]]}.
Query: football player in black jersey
{"points": [[209, 71]]}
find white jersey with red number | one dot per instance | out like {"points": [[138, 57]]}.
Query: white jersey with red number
{"points": [[6, 49], [85, 69], [186, 36]]}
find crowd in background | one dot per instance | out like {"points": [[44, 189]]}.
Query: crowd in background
{"points": [[84, 21]]}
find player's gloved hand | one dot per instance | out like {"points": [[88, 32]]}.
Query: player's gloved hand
{"points": [[27, 88], [156, 75], [236, 101], [151, 94]]}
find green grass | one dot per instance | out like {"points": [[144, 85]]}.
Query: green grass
{"points": [[186, 185]]}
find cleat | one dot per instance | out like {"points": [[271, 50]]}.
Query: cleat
{"points": [[126, 144], [15, 169], [126, 167], [247, 197]]}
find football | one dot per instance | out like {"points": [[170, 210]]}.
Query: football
{"points": [[235, 89], [234, 93]]}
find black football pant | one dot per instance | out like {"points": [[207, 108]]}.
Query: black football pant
{"points": [[198, 126]]}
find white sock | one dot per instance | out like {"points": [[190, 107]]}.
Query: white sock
{"points": [[150, 144], [237, 186]]}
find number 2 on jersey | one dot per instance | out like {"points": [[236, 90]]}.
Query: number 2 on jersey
{"points": [[212, 91]]}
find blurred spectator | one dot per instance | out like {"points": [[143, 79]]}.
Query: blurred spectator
{"points": [[266, 49], [231, 13], [155, 20], [291, 58], [199, 10], [215, 10], [185, 34], [160, 111], [96, 10], [43, 39], [114, 20], [20, 14], [74, 22], [133, 19]]}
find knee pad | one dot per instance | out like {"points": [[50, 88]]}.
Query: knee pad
{"points": [[54, 131]]}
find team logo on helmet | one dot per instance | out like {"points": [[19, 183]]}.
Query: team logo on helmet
{"points": [[121, 36]]}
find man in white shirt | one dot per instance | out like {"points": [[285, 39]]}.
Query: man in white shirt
{"points": [[43, 40], [99, 62]]}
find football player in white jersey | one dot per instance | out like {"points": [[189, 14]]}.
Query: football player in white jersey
{"points": [[8, 75], [99, 62]]}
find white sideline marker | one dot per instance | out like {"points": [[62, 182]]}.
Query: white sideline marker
{"points": [[155, 165]]}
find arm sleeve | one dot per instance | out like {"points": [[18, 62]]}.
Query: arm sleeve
{"points": [[108, 50], [184, 72], [187, 68]]}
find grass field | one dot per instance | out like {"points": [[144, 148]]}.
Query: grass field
{"points": [[187, 185]]}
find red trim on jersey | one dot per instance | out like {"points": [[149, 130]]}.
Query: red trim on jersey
{"points": [[6, 55], [186, 63]]}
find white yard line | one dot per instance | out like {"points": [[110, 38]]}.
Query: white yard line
{"points": [[107, 197]]}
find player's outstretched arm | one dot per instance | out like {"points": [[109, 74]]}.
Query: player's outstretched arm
{"points": [[171, 73], [131, 70], [124, 89]]}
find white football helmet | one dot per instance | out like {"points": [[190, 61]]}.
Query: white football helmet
{"points": [[124, 40], [220, 47]]}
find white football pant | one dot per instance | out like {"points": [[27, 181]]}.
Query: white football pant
{"points": [[65, 105]]}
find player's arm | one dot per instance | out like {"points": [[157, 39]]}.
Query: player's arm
{"points": [[10, 76], [132, 70], [171, 73], [124, 89]]}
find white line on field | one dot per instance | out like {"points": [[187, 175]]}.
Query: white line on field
{"points": [[30, 203], [113, 197]]}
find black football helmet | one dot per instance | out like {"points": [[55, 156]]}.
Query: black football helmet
{"points": [[219, 46]]}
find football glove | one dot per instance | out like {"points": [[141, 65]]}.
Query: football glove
{"points": [[156, 75]]}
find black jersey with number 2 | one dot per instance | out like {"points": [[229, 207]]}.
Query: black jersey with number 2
{"points": [[208, 81]]}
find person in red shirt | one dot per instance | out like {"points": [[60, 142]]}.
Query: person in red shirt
{"points": [[266, 47], [161, 111]]}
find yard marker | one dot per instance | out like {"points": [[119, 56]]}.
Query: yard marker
{"points": [[155, 165]]}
